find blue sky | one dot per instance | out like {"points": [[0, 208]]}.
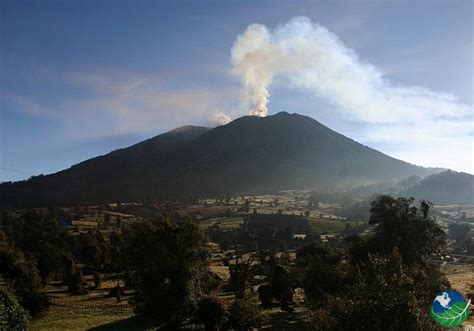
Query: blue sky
{"points": [[81, 78]]}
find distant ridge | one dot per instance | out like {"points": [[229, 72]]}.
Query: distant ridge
{"points": [[445, 188], [249, 155]]}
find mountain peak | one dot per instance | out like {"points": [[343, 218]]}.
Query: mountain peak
{"points": [[250, 154], [283, 114]]}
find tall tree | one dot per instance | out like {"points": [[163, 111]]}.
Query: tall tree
{"points": [[406, 226], [168, 268], [21, 274]]}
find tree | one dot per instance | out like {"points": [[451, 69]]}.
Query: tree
{"points": [[41, 235], [463, 243], [425, 207], [387, 295], [246, 206], [240, 272], [285, 235], [244, 314], [211, 313], [282, 286], [12, 315], [320, 271], [22, 276], [168, 269], [97, 280], [90, 249], [69, 272], [458, 232], [407, 227], [265, 294], [389, 284]]}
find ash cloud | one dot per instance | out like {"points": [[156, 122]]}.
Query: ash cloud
{"points": [[221, 118], [309, 57]]}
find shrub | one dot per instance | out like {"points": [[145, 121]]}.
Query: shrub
{"points": [[265, 295], [282, 285], [116, 292], [167, 264], [388, 296], [320, 271], [320, 319], [12, 315], [244, 314], [210, 313], [97, 280], [22, 276], [69, 271], [406, 226]]}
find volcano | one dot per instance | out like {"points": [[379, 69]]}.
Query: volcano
{"points": [[247, 156]]}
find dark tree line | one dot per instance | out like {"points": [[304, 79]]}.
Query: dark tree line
{"points": [[377, 281], [36, 248]]}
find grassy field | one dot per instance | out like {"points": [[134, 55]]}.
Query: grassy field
{"points": [[225, 223], [461, 277], [75, 318], [67, 318], [83, 312], [321, 225]]}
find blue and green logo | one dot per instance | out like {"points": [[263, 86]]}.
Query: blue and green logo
{"points": [[450, 309]]}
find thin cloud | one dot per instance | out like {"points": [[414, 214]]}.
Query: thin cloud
{"points": [[117, 102]]}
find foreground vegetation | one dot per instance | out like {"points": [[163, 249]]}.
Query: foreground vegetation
{"points": [[280, 271]]}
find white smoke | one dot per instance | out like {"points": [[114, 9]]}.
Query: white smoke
{"points": [[250, 58], [312, 58], [221, 118]]}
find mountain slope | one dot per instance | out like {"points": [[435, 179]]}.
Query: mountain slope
{"points": [[445, 188], [250, 154]]}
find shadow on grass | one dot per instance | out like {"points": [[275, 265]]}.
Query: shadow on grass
{"points": [[57, 291], [132, 323], [286, 320]]}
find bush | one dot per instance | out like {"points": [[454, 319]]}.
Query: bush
{"points": [[38, 234], [22, 276], [69, 271], [320, 271], [210, 313], [388, 296], [406, 226], [116, 292], [97, 280], [12, 315], [389, 284], [77, 285], [167, 264], [244, 314], [321, 320], [282, 286], [265, 294]]}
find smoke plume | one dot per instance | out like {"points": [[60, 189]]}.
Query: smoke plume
{"points": [[309, 57], [221, 118]]}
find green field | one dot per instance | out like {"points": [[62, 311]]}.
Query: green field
{"points": [[67, 318], [321, 225], [225, 223], [83, 312]]}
